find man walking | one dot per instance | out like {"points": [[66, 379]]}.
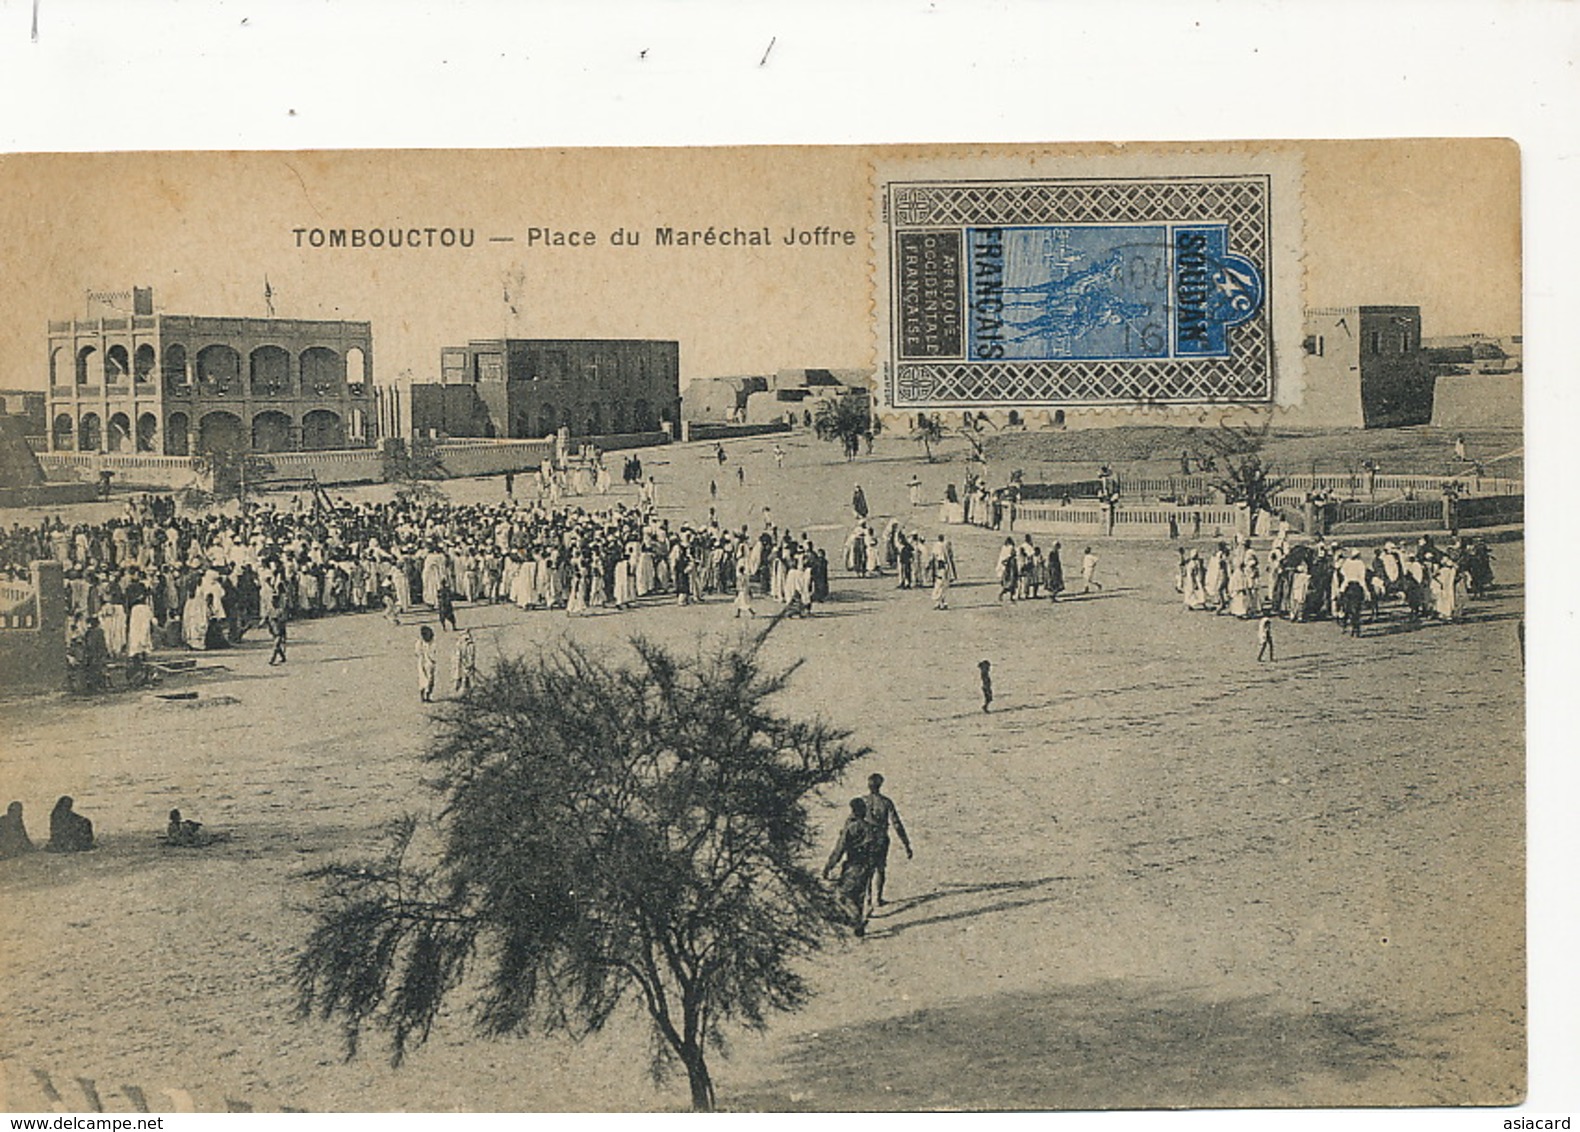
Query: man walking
{"points": [[881, 813]]}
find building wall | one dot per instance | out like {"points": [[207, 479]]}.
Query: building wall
{"points": [[531, 387], [29, 404], [449, 410], [180, 384], [1396, 379], [1332, 393], [33, 658], [716, 400], [1479, 401]]}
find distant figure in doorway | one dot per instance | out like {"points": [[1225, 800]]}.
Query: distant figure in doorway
{"points": [[427, 664], [69, 832]]}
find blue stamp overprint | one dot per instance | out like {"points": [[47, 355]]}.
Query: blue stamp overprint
{"points": [[1079, 292]]}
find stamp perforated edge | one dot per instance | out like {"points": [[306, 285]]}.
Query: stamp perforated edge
{"points": [[1281, 161]]}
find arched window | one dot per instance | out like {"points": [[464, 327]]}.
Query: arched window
{"points": [[323, 429], [116, 364], [356, 371], [147, 433], [143, 364], [269, 372], [221, 432], [90, 434], [1058, 418], [175, 368], [1014, 417], [119, 433], [271, 432], [323, 372], [177, 441], [84, 359], [54, 366], [64, 434], [218, 371]]}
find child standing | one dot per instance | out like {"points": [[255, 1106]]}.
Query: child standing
{"points": [[986, 669], [743, 589], [1089, 572], [1264, 635], [465, 663], [277, 632], [427, 664]]}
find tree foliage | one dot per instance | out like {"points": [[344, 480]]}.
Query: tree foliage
{"points": [[929, 431], [230, 472], [845, 419], [604, 831]]}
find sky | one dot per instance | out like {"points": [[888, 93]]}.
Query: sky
{"points": [[1433, 223]]}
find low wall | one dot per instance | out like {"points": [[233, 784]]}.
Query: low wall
{"points": [[1490, 511], [160, 473], [340, 466], [493, 458], [613, 442], [1156, 521], [708, 430], [1292, 488], [48, 495], [33, 643]]}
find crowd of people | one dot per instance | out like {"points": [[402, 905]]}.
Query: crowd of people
{"points": [[153, 578], [1311, 579]]}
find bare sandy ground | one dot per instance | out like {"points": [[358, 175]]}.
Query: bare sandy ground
{"points": [[1158, 874]]}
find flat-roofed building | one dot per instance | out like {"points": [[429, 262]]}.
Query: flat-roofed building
{"points": [[129, 379]]}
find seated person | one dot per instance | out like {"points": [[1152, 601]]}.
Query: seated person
{"points": [[69, 832], [14, 840], [183, 833]]}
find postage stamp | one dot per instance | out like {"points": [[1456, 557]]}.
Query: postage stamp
{"points": [[1112, 291]]}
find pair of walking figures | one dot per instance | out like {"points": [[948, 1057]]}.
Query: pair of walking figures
{"points": [[862, 853]]}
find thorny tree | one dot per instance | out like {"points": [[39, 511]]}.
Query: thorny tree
{"points": [[1245, 478], [604, 830]]}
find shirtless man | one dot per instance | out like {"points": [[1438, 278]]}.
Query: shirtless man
{"points": [[881, 812]]}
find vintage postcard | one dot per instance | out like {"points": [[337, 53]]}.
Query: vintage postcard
{"points": [[1031, 627]]}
